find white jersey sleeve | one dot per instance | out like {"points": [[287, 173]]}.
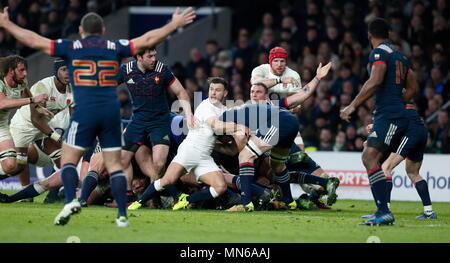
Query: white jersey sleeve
{"points": [[282, 89]]}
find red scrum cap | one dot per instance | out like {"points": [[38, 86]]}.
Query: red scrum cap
{"points": [[277, 52]]}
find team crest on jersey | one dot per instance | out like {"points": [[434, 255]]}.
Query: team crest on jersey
{"points": [[157, 79], [377, 56], [124, 42]]}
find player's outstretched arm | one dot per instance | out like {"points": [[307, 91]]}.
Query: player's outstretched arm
{"points": [[411, 86], [26, 37], [8, 103], [368, 89], [309, 88], [154, 37], [183, 98]]}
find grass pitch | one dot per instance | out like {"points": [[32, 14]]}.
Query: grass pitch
{"points": [[33, 222]]}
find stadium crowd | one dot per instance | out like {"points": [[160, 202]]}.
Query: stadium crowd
{"points": [[312, 32], [337, 45], [331, 30]]}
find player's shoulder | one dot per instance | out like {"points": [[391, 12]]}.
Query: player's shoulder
{"points": [[288, 72], [261, 69], [128, 67], [161, 67]]}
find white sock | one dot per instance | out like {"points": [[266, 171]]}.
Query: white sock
{"points": [[213, 192], [38, 188], [428, 209], [157, 185]]}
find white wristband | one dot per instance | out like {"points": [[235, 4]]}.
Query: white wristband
{"points": [[55, 136]]}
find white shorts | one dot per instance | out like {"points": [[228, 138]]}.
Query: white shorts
{"points": [[24, 135], [195, 160], [5, 134], [43, 159]]}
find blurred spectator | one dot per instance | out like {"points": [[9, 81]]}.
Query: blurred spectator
{"points": [[201, 77], [224, 60], [340, 142], [212, 52], [350, 133], [325, 112], [345, 74], [326, 140], [196, 61], [440, 130], [242, 48], [267, 23], [72, 22]]}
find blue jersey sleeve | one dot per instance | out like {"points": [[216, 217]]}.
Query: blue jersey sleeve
{"points": [[60, 47], [378, 56], [125, 47], [168, 77]]}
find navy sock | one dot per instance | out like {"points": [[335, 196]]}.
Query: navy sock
{"points": [[69, 177], [282, 179], [27, 192], [389, 186], [89, 184], [377, 180], [422, 190], [374, 197], [173, 191], [148, 193], [246, 173], [201, 195], [305, 178], [256, 189], [118, 182], [237, 182]]}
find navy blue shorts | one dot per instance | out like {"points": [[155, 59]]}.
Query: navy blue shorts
{"points": [[283, 134], [387, 133], [413, 144], [139, 132], [88, 123], [300, 161]]}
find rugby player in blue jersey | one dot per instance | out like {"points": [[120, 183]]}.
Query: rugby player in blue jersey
{"points": [[93, 64], [276, 129], [388, 68], [148, 81], [412, 147]]}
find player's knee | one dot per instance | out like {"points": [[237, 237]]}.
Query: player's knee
{"points": [[220, 187], [159, 166], [415, 177], [386, 169], [9, 165]]}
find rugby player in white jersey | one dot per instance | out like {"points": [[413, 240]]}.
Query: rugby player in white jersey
{"points": [[14, 93], [37, 131], [282, 82], [30, 124], [194, 153]]}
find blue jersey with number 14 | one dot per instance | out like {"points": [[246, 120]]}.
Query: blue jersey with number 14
{"points": [[389, 96], [93, 65]]}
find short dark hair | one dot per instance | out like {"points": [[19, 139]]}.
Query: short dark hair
{"points": [[212, 41], [92, 24], [143, 51], [266, 89], [11, 62], [379, 28], [218, 80]]}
